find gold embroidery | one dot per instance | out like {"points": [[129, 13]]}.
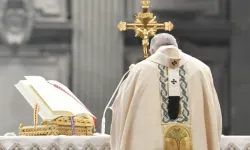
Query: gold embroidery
{"points": [[177, 137], [180, 113]]}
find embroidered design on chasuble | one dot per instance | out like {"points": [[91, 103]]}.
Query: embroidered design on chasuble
{"points": [[177, 132]]}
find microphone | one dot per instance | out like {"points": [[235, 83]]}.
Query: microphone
{"points": [[112, 97]]}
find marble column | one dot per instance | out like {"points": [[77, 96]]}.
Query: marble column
{"points": [[240, 72], [97, 52]]}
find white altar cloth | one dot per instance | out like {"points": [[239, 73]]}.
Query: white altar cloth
{"points": [[235, 143], [100, 142]]}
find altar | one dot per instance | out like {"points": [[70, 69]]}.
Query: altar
{"points": [[235, 143], [97, 142]]}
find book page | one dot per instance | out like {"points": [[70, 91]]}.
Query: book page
{"points": [[65, 89], [32, 98], [56, 99]]}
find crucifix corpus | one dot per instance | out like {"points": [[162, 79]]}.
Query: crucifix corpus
{"points": [[145, 25]]}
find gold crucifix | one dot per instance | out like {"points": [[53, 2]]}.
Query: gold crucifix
{"points": [[145, 25]]}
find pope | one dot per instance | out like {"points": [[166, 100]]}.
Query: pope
{"points": [[167, 102]]}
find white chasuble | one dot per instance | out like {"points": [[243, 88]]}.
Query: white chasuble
{"points": [[167, 104]]}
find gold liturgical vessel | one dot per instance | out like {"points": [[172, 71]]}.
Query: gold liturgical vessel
{"points": [[145, 25], [77, 125]]}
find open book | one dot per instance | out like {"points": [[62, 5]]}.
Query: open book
{"points": [[53, 98]]}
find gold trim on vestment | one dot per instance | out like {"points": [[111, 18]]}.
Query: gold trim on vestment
{"points": [[177, 137]]}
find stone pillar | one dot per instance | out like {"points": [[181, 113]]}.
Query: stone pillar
{"points": [[97, 52], [240, 70]]}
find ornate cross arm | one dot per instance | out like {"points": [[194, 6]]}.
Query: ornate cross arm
{"points": [[167, 26], [145, 26]]}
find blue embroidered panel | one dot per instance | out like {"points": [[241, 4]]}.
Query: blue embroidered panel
{"points": [[184, 116]]}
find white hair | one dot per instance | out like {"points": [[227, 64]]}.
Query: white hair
{"points": [[161, 40]]}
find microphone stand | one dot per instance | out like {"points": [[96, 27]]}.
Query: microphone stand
{"points": [[110, 100]]}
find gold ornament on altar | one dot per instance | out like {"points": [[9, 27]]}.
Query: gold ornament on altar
{"points": [[83, 126], [145, 25]]}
